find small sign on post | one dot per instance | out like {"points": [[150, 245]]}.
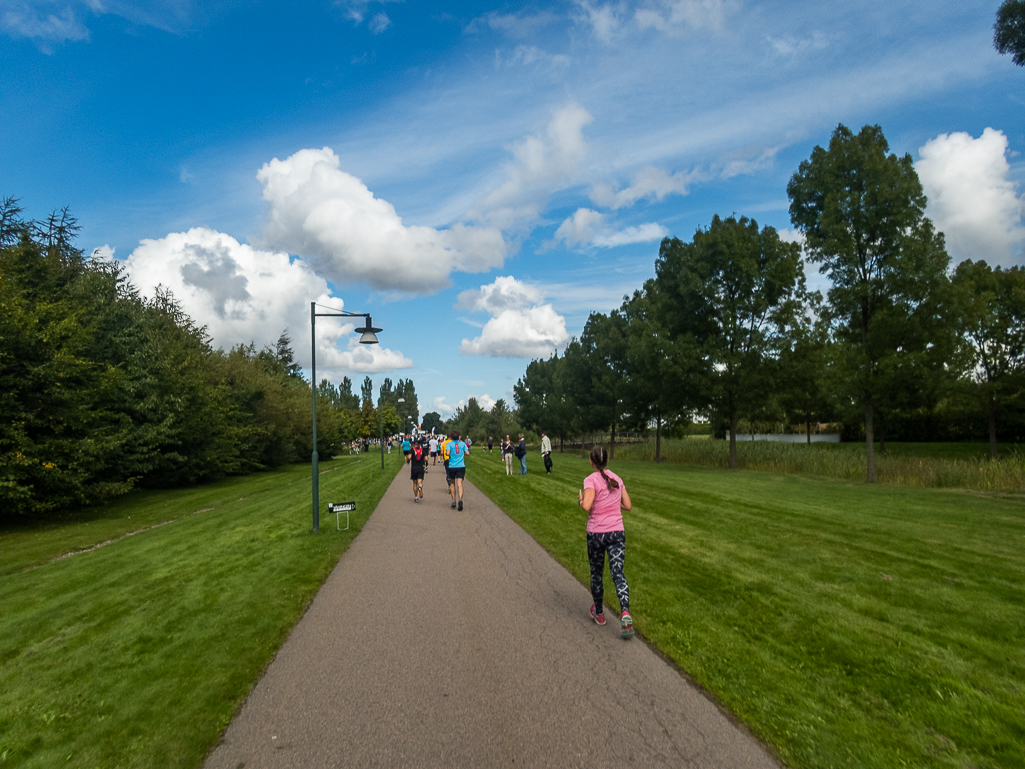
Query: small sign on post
{"points": [[341, 507]]}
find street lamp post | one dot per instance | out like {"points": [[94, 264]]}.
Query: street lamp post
{"points": [[368, 335]]}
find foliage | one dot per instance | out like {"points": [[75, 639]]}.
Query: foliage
{"points": [[102, 389], [862, 212], [1009, 30]]}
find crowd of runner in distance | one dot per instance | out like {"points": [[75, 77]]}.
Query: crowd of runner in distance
{"points": [[421, 449]]}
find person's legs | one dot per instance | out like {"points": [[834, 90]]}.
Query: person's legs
{"points": [[596, 557], [523, 465], [617, 556], [508, 464]]}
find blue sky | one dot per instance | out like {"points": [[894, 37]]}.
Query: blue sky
{"points": [[478, 176]]}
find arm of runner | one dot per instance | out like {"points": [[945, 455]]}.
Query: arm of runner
{"points": [[625, 502], [585, 499]]}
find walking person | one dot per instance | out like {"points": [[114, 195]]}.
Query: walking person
{"points": [[457, 451], [491, 443], [521, 452], [507, 455], [604, 497], [434, 450], [546, 452]]}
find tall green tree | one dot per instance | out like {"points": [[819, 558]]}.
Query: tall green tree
{"points": [[862, 211], [737, 292], [1009, 30], [367, 390], [990, 318]]}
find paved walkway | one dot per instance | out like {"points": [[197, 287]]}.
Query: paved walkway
{"points": [[448, 639]]}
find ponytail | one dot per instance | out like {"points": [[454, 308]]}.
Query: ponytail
{"points": [[600, 458]]}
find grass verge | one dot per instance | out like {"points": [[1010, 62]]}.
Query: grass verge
{"points": [[933, 465], [848, 625], [138, 653]]}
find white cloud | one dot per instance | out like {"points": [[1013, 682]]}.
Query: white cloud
{"points": [[587, 227], [740, 162], [543, 164], [672, 16], [971, 198], [444, 408], [526, 25], [485, 401], [379, 23], [25, 20], [520, 325], [528, 55], [242, 295], [581, 228], [644, 233], [788, 46], [50, 21], [356, 10], [648, 183], [318, 211], [605, 20]]}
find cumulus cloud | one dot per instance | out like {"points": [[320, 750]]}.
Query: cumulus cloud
{"points": [[520, 325], [586, 227], [242, 295], [543, 163], [649, 183], [674, 16], [971, 198], [446, 410], [318, 211]]}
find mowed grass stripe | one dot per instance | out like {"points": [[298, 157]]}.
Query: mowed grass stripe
{"points": [[848, 625], [137, 654]]}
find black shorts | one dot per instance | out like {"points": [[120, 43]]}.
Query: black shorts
{"points": [[416, 471], [434, 454], [456, 472]]}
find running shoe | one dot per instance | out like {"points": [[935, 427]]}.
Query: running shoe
{"points": [[627, 624], [453, 504], [460, 504], [421, 493], [598, 618]]}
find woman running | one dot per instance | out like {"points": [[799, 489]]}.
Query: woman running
{"points": [[604, 497]]}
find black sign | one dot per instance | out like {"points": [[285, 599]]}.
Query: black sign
{"points": [[341, 507]]}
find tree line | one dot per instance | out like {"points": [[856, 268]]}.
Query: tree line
{"points": [[103, 389], [899, 346]]}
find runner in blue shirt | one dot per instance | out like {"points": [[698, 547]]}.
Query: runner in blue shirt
{"points": [[405, 447], [457, 451]]}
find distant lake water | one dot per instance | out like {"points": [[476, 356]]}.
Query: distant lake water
{"points": [[790, 437]]}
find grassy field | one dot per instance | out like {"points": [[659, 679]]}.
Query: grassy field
{"points": [[934, 465], [138, 653], [848, 625]]}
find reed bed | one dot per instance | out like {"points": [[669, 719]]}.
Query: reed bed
{"points": [[845, 461]]}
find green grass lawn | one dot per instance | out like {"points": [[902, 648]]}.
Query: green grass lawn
{"points": [[137, 654], [848, 625]]}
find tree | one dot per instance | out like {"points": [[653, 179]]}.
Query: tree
{"points": [[655, 365], [367, 390], [990, 316], [433, 421], [737, 293], [1009, 30], [283, 352], [862, 212]]}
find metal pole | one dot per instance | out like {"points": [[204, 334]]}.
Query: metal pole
{"points": [[380, 414], [315, 458]]}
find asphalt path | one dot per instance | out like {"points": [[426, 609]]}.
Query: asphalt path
{"points": [[452, 639]]}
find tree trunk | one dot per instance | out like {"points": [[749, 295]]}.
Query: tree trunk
{"points": [[612, 443], [733, 440], [658, 439], [882, 434], [992, 418], [807, 426], [869, 443]]}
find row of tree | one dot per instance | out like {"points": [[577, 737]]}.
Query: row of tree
{"points": [[728, 329], [102, 389]]}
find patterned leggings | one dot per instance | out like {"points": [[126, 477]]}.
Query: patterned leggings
{"points": [[614, 543]]}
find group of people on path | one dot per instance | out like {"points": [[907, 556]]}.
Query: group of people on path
{"points": [[603, 497], [419, 450]]}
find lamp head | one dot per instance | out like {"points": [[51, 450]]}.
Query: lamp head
{"points": [[369, 333]]}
